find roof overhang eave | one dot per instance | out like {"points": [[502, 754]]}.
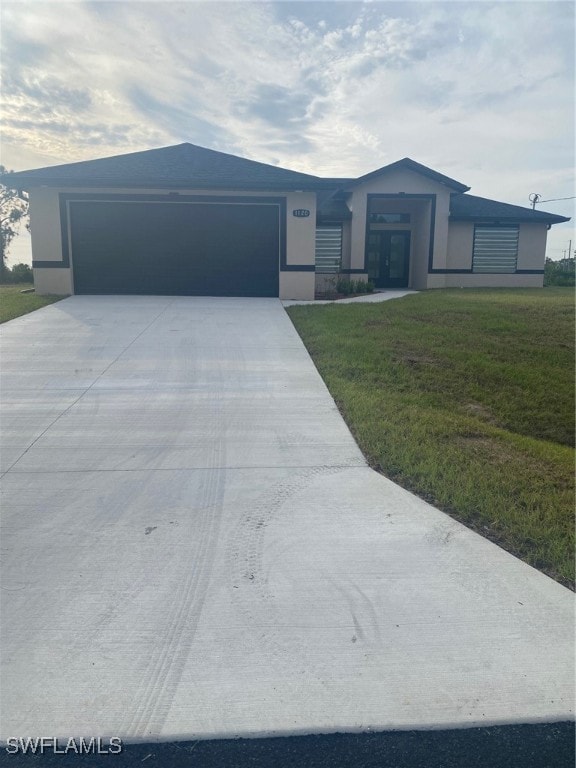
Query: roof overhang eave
{"points": [[30, 182], [456, 187], [550, 219]]}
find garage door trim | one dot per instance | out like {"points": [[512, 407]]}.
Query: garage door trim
{"points": [[172, 197]]}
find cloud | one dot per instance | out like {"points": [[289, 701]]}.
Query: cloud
{"points": [[277, 105], [37, 89], [23, 51], [481, 91], [180, 118]]}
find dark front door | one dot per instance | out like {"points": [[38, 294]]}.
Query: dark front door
{"points": [[389, 258]]}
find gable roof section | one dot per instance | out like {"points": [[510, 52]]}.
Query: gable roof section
{"points": [[472, 208], [411, 165], [179, 166], [189, 166]]}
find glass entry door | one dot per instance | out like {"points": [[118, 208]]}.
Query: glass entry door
{"points": [[389, 258]]}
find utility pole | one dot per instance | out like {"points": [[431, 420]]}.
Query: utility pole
{"points": [[534, 198]]}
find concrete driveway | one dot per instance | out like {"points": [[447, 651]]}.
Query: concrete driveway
{"points": [[193, 546]]}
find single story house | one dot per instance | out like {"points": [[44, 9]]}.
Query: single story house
{"points": [[184, 220]]}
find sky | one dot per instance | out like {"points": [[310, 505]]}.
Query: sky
{"points": [[483, 92]]}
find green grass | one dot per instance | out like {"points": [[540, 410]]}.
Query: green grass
{"points": [[466, 398], [13, 303]]}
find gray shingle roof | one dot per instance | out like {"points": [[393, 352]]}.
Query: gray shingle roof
{"points": [[331, 206], [179, 166], [188, 166], [472, 208]]}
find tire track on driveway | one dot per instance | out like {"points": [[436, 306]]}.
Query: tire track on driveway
{"points": [[166, 661], [248, 577]]}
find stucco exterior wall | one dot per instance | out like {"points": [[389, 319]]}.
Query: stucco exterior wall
{"points": [[397, 183], [297, 285], [300, 232], [55, 282], [470, 280], [45, 225], [460, 245], [47, 240], [420, 245], [441, 231], [532, 246], [346, 244], [453, 242]]}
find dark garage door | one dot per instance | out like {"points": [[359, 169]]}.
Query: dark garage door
{"points": [[171, 248]]}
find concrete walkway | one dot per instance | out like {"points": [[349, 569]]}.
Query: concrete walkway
{"points": [[370, 298], [193, 546]]}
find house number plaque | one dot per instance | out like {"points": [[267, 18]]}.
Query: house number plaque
{"points": [[301, 213]]}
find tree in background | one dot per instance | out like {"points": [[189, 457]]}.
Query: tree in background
{"points": [[13, 210], [561, 272]]}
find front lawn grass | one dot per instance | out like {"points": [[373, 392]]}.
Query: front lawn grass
{"points": [[13, 303], [466, 398]]}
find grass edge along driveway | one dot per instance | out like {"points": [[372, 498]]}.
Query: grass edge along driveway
{"points": [[13, 303], [466, 398]]}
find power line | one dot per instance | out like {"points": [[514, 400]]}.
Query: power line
{"points": [[534, 198]]}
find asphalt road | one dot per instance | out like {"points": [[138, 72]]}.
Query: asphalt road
{"points": [[549, 745]]}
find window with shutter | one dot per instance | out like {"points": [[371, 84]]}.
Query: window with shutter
{"points": [[495, 249]]}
